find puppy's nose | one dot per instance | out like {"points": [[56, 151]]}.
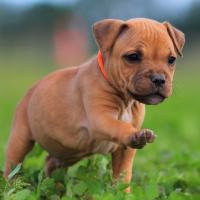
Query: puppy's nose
{"points": [[158, 79]]}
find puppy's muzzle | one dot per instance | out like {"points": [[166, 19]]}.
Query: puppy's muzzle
{"points": [[158, 80], [151, 90]]}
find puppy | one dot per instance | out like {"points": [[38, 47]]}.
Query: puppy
{"points": [[99, 107]]}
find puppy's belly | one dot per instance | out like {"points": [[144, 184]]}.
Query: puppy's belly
{"points": [[72, 155], [104, 147]]}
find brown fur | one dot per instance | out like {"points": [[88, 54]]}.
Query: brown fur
{"points": [[76, 112]]}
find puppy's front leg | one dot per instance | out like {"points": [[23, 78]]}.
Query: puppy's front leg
{"points": [[122, 160], [106, 126]]}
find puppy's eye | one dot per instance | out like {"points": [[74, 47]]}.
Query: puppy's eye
{"points": [[133, 57], [171, 60]]}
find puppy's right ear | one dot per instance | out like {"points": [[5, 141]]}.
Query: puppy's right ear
{"points": [[106, 32]]}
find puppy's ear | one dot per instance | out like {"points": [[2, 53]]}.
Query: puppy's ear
{"points": [[106, 32], [177, 37]]}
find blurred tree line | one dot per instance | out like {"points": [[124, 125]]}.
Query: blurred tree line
{"points": [[40, 21], [34, 23]]}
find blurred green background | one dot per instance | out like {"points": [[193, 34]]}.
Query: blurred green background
{"points": [[37, 37]]}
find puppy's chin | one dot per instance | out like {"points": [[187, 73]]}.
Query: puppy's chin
{"points": [[151, 99]]}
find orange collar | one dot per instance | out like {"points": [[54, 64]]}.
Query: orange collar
{"points": [[101, 66]]}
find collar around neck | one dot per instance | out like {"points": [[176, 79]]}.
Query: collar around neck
{"points": [[101, 65]]}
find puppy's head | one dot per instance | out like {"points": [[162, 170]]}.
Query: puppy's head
{"points": [[139, 56]]}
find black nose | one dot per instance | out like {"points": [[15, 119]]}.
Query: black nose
{"points": [[158, 79]]}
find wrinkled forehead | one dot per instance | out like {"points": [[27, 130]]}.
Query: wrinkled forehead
{"points": [[145, 34]]}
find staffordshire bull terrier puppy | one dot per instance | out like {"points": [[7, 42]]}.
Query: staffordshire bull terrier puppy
{"points": [[99, 107]]}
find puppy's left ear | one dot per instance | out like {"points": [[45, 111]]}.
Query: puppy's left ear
{"points": [[177, 37], [106, 32]]}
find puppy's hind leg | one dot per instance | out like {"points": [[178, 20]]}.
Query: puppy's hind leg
{"points": [[20, 141], [52, 163], [19, 145]]}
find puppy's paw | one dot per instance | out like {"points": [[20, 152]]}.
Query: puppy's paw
{"points": [[141, 138]]}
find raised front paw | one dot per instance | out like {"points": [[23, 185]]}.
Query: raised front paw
{"points": [[141, 138]]}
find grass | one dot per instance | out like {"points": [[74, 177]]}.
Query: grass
{"points": [[166, 169]]}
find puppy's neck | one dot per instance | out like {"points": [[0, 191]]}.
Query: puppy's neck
{"points": [[107, 84]]}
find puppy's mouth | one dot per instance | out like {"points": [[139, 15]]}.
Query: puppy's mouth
{"points": [[150, 99]]}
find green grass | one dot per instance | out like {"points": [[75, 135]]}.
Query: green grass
{"points": [[167, 169]]}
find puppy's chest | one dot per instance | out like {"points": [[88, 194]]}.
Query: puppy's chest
{"points": [[126, 114]]}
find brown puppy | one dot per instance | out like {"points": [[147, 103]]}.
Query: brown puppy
{"points": [[80, 111]]}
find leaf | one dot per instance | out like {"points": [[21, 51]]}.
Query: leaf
{"points": [[54, 197], [181, 185], [177, 196], [103, 166], [138, 192], [19, 184], [23, 195], [151, 191], [82, 171], [40, 176], [60, 188], [47, 187], [67, 198], [94, 186], [70, 186], [78, 169], [15, 171], [11, 191], [3, 184], [108, 196], [80, 188], [122, 186], [59, 174], [130, 197]]}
